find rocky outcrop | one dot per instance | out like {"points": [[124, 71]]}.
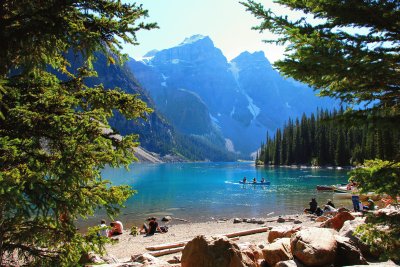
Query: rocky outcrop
{"points": [[253, 252], [277, 251], [347, 253], [145, 156], [281, 231], [348, 230], [209, 252], [314, 246], [337, 221]]}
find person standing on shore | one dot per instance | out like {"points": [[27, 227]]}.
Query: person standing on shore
{"points": [[355, 198]]}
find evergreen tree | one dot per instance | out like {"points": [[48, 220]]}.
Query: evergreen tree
{"points": [[284, 147], [340, 151], [277, 147], [358, 66], [54, 134], [305, 140]]}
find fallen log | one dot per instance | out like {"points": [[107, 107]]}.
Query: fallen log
{"points": [[166, 251], [248, 232], [168, 245], [230, 235]]}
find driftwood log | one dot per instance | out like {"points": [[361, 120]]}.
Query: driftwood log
{"points": [[169, 246]]}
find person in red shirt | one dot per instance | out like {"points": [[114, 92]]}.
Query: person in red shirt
{"points": [[116, 229]]}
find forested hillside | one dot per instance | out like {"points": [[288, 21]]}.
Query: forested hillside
{"points": [[320, 140]]}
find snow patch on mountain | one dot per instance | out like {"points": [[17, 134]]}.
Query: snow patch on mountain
{"points": [[233, 111], [193, 39], [215, 120], [235, 70], [229, 145], [254, 110]]}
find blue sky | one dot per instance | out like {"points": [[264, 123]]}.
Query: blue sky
{"points": [[225, 21]]}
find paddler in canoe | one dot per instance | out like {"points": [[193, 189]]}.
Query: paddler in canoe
{"points": [[254, 180]]}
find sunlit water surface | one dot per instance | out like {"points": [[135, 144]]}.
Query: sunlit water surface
{"points": [[203, 191]]}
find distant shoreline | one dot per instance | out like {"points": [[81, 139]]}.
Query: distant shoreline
{"points": [[302, 166]]}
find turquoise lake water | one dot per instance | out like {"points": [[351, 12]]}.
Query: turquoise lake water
{"points": [[202, 191]]}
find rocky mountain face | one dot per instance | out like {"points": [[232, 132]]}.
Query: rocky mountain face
{"points": [[156, 134], [231, 103]]}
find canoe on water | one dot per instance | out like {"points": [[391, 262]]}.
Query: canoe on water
{"points": [[258, 183], [341, 189], [325, 187]]}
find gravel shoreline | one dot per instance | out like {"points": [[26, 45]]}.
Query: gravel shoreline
{"points": [[129, 245]]}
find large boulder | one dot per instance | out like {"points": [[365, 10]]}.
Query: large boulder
{"points": [[252, 251], [215, 251], [349, 227], [347, 252], [314, 246], [281, 232], [348, 230], [337, 221], [277, 251], [166, 218]]}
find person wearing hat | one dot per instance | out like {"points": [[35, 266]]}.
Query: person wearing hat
{"points": [[330, 203], [370, 205]]}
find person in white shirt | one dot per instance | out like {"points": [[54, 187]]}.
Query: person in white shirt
{"points": [[103, 228]]}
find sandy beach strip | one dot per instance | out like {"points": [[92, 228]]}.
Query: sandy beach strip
{"points": [[129, 245]]}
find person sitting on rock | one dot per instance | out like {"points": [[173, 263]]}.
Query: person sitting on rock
{"points": [[329, 210], [116, 228], [313, 206], [370, 205], [330, 203]]}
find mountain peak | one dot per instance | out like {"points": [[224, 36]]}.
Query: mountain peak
{"points": [[258, 55], [151, 53], [195, 38]]}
